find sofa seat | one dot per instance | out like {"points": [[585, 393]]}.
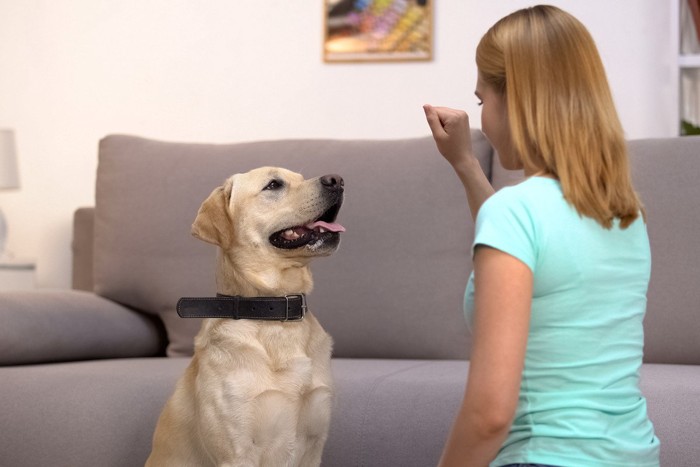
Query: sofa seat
{"points": [[76, 408], [386, 413]]}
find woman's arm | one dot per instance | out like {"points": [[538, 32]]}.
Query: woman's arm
{"points": [[503, 295], [452, 136]]}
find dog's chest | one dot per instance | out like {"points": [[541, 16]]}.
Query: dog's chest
{"points": [[292, 361], [292, 358]]}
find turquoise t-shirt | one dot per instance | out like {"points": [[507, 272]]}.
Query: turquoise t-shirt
{"points": [[580, 403]]}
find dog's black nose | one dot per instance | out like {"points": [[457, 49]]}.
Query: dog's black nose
{"points": [[332, 181]]}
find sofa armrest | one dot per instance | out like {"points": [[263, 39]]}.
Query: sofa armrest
{"points": [[64, 325], [82, 246]]}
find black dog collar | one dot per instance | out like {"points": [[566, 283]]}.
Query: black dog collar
{"points": [[288, 308]]}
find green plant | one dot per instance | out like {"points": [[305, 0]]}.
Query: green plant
{"points": [[688, 128]]}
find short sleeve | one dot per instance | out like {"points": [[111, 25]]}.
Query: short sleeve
{"points": [[506, 222]]}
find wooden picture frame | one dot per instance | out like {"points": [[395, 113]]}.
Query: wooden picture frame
{"points": [[377, 30]]}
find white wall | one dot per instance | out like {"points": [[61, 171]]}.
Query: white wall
{"points": [[72, 71]]}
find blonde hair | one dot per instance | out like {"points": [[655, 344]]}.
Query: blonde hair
{"points": [[561, 113]]}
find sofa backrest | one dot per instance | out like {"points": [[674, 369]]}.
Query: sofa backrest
{"points": [[666, 173], [393, 290], [369, 295]]}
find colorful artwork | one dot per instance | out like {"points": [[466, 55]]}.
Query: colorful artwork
{"points": [[377, 30]]}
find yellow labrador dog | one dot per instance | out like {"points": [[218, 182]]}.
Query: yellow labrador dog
{"points": [[257, 391]]}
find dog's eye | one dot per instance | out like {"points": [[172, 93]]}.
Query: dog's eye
{"points": [[274, 185]]}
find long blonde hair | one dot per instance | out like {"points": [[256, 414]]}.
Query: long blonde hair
{"points": [[561, 113]]}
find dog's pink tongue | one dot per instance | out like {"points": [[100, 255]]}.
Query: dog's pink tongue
{"points": [[333, 227]]}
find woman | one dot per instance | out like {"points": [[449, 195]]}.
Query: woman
{"points": [[561, 260]]}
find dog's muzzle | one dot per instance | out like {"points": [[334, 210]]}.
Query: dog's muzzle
{"points": [[319, 232]]}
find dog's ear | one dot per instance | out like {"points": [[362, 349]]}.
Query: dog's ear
{"points": [[213, 223]]}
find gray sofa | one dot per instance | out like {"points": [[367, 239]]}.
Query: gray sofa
{"points": [[85, 372]]}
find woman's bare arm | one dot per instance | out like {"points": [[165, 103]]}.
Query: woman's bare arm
{"points": [[452, 136], [503, 291]]}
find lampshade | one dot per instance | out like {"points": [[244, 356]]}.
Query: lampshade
{"points": [[9, 175]]}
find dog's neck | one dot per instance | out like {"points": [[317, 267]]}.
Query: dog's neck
{"points": [[249, 277]]}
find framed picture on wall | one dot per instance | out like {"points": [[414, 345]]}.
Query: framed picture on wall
{"points": [[377, 30]]}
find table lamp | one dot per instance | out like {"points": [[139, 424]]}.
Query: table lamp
{"points": [[9, 177]]}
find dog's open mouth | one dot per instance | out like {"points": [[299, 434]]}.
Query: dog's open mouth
{"points": [[316, 231]]}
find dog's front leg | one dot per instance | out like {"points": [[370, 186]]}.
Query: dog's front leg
{"points": [[225, 415], [225, 436], [312, 430], [256, 433]]}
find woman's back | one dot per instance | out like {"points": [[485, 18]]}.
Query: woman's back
{"points": [[579, 401]]}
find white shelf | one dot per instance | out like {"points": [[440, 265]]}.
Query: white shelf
{"points": [[687, 64], [689, 61], [17, 274]]}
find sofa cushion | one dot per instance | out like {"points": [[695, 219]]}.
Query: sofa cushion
{"points": [[672, 322], [673, 401], [43, 326], [405, 210], [665, 173], [393, 412], [82, 248], [385, 412], [80, 414]]}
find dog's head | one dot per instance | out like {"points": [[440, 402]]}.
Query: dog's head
{"points": [[273, 210]]}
